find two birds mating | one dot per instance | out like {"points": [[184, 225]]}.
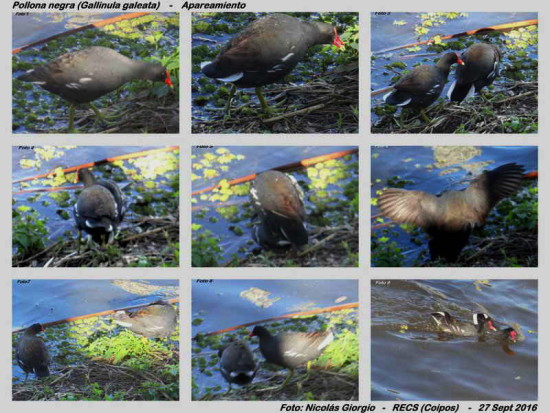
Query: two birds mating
{"points": [[276, 198], [278, 202], [99, 209], [477, 67]]}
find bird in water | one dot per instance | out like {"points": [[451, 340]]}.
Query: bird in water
{"points": [[449, 324]]}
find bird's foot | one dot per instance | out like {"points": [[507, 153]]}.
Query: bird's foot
{"points": [[109, 120]]}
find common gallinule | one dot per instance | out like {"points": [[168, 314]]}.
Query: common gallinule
{"points": [[481, 62], [278, 201], [422, 86], [100, 208], [291, 349], [156, 320], [266, 51], [85, 75], [31, 353], [449, 324], [506, 335], [450, 217], [237, 364]]}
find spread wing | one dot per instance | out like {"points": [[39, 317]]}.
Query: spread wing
{"points": [[409, 207], [499, 183]]}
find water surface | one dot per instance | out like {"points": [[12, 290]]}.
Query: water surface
{"points": [[411, 361]]}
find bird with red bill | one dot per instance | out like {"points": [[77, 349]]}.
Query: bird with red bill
{"points": [[421, 87], [266, 51], [85, 75]]}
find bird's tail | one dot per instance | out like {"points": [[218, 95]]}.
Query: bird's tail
{"points": [[42, 371], [33, 75], [295, 232], [457, 93]]}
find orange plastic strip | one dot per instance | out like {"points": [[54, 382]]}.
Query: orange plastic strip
{"points": [[101, 162], [498, 27], [284, 168], [101, 23], [299, 314], [99, 314]]}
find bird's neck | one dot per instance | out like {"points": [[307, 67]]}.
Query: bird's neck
{"points": [[145, 70]]}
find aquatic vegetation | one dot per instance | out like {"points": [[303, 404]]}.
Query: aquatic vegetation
{"points": [[150, 231], [341, 357], [28, 231], [94, 359], [222, 216]]}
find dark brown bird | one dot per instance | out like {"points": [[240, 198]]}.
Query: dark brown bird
{"points": [[292, 349], [423, 85], [85, 75], [278, 202], [237, 364], [481, 64], [450, 217], [31, 353], [100, 208], [266, 51], [507, 335]]}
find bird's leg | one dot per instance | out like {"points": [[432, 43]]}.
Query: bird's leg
{"points": [[402, 119], [261, 98], [108, 120], [71, 118], [228, 389], [424, 116], [79, 240], [26, 377], [290, 374], [308, 369], [229, 99]]}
